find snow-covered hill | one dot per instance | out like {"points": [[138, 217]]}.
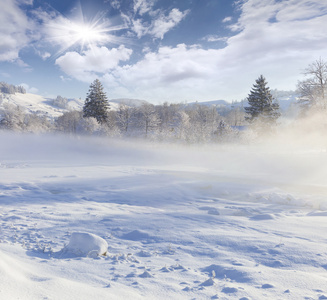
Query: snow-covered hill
{"points": [[33, 103]]}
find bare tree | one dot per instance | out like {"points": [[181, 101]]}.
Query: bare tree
{"points": [[68, 121], [204, 121], [236, 116], [148, 117], [124, 114], [313, 89]]}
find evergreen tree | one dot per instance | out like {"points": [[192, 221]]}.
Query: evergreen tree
{"points": [[96, 103], [262, 104]]}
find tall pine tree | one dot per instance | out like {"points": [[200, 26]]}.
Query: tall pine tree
{"points": [[262, 104], [96, 103]]}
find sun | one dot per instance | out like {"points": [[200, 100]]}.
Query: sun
{"points": [[78, 32], [88, 34]]}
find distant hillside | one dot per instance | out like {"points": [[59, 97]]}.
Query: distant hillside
{"points": [[286, 101], [129, 102], [37, 104], [46, 106], [54, 108]]}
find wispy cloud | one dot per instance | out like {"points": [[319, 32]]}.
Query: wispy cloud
{"points": [[153, 22], [164, 23], [15, 30], [215, 38], [227, 19], [274, 38], [142, 7]]}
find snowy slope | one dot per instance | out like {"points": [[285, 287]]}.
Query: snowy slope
{"points": [[37, 104], [180, 222]]}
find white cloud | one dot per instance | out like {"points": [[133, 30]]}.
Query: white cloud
{"points": [[270, 35], [273, 38], [215, 38], [170, 74], [92, 61], [163, 24], [139, 28], [114, 3], [64, 79], [161, 21], [227, 19], [43, 54], [14, 28], [143, 6], [31, 90]]}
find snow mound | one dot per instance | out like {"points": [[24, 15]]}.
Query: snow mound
{"points": [[86, 244]]}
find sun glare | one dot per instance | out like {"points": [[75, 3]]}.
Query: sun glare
{"points": [[79, 33], [85, 34]]}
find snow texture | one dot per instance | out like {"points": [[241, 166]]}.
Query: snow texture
{"points": [[245, 222]]}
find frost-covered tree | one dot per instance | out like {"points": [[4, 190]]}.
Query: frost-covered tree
{"points": [[96, 103], [124, 116], [68, 122], [262, 106], [73, 122], [313, 90], [11, 89], [35, 123], [236, 116], [12, 117], [60, 102], [148, 118], [203, 121]]}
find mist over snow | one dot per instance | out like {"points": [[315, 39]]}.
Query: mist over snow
{"points": [[220, 221]]}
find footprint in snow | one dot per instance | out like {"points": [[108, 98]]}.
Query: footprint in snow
{"points": [[137, 235], [144, 253], [208, 282], [262, 217], [210, 210], [229, 290], [267, 286]]}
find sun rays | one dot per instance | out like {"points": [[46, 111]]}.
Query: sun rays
{"points": [[79, 32]]}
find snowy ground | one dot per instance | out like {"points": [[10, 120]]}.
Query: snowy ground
{"points": [[246, 222]]}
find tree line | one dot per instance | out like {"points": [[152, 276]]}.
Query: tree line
{"points": [[11, 89], [174, 122]]}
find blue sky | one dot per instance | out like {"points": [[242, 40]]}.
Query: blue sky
{"points": [[159, 50]]}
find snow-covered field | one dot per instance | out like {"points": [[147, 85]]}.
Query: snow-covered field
{"points": [[200, 222]]}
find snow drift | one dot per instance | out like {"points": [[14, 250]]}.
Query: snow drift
{"points": [[86, 244]]}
